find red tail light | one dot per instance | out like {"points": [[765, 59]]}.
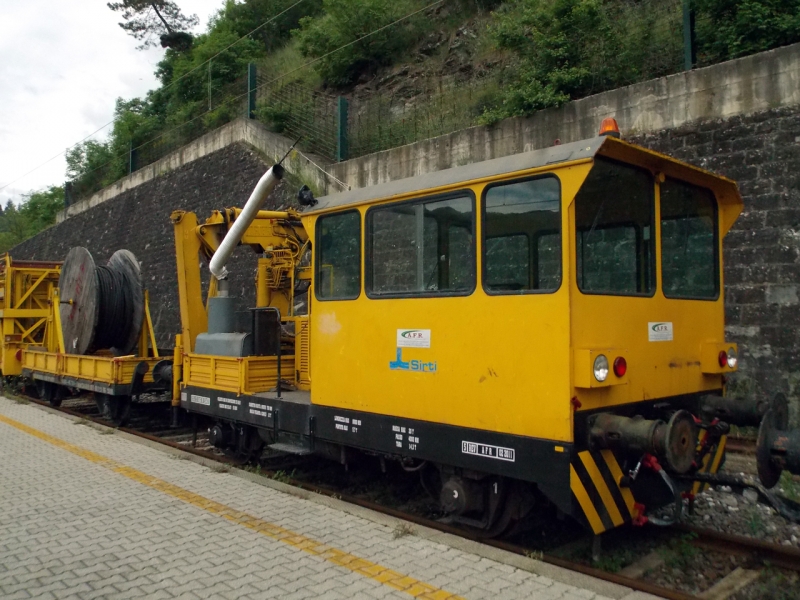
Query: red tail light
{"points": [[620, 366], [723, 359]]}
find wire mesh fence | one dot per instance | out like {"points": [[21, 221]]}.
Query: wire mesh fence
{"points": [[224, 103], [646, 41], [634, 41], [298, 111], [653, 47], [443, 106]]}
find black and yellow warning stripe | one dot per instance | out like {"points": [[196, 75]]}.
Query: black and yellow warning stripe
{"points": [[711, 461], [594, 480]]}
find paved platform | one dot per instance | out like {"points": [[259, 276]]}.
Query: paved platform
{"points": [[86, 512]]}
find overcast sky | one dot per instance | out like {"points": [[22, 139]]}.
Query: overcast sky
{"points": [[63, 64]]}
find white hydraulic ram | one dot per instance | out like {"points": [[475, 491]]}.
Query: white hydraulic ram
{"points": [[262, 190]]}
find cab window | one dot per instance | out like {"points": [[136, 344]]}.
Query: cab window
{"points": [[522, 236], [614, 210], [338, 266], [689, 241], [421, 248]]}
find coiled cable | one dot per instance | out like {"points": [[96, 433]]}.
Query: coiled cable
{"points": [[115, 304]]}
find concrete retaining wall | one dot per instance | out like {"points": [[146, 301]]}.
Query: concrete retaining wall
{"points": [[740, 119]]}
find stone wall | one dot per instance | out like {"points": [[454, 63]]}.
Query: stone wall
{"points": [[761, 151], [740, 119], [138, 219], [272, 147]]}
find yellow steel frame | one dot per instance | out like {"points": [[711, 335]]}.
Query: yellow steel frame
{"points": [[25, 308], [281, 246], [111, 370], [96, 368], [247, 375], [270, 233]]}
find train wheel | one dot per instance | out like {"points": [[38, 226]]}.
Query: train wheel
{"points": [[489, 507], [516, 502], [249, 444], [50, 392], [116, 409]]}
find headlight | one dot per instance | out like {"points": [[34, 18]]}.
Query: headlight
{"points": [[601, 368], [732, 358]]}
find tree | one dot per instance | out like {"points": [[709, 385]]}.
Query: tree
{"points": [[143, 19], [36, 211], [335, 37], [729, 29]]}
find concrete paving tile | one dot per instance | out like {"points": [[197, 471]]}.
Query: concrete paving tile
{"points": [[74, 527]]}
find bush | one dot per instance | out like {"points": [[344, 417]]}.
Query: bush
{"points": [[343, 22], [36, 211], [566, 49], [562, 49], [728, 29]]}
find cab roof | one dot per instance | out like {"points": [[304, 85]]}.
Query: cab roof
{"points": [[725, 190]]}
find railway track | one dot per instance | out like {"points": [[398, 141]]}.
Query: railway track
{"points": [[150, 421]]}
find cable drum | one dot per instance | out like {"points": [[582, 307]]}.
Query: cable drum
{"points": [[102, 308]]}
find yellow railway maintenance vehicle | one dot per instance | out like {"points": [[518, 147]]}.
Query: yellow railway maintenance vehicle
{"points": [[77, 326], [548, 325]]}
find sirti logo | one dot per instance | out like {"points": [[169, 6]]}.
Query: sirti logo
{"points": [[411, 365]]}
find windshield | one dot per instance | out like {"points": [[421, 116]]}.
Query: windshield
{"points": [[689, 256], [614, 220]]}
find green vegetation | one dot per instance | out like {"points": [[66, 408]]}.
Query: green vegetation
{"points": [[36, 211], [755, 521], [790, 486], [729, 29], [401, 530], [283, 477], [346, 21], [194, 97], [681, 552], [521, 56], [566, 49]]}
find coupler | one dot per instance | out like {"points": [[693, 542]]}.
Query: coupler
{"points": [[673, 443], [739, 412], [778, 448]]}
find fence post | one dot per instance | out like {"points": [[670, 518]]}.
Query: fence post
{"points": [[252, 88], [341, 129], [689, 45], [131, 158], [68, 199]]}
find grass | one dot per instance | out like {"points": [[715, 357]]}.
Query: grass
{"points": [[775, 585], [402, 530], [790, 486], [755, 521], [255, 470], [681, 552], [283, 60], [283, 477]]}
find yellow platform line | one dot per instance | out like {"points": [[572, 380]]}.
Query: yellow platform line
{"points": [[366, 568]]}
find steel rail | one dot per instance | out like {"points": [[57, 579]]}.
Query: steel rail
{"points": [[779, 556]]}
